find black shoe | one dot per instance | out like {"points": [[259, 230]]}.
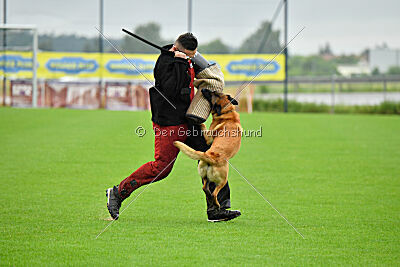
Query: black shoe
{"points": [[113, 202], [219, 215]]}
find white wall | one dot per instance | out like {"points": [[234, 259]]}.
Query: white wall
{"points": [[384, 58]]}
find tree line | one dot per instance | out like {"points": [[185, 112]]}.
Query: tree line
{"points": [[151, 31], [263, 40]]}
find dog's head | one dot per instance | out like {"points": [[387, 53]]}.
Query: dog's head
{"points": [[219, 102]]}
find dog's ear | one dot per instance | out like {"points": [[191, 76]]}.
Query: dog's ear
{"points": [[232, 100], [207, 94], [218, 109]]}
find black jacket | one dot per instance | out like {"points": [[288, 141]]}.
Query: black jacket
{"points": [[172, 82]]}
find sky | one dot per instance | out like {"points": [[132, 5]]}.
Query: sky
{"points": [[349, 26]]}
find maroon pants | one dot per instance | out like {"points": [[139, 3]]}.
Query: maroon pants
{"points": [[165, 154]]}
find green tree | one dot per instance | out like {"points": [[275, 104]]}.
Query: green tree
{"points": [[347, 59], [263, 40], [394, 70], [216, 46], [66, 42], [149, 31], [45, 44], [375, 71], [325, 50], [92, 45], [310, 66]]}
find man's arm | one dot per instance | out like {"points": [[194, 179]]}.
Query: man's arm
{"points": [[170, 73]]}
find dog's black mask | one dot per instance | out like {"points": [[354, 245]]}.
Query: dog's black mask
{"points": [[208, 95], [216, 107]]}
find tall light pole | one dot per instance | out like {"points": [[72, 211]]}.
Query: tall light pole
{"points": [[101, 22], [4, 51], [190, 15], [285, 86], [101, 47]]}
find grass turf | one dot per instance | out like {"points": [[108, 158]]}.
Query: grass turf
{"points": [[336, 178]]}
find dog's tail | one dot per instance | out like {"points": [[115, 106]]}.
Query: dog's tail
{"points": [[194, 154]]}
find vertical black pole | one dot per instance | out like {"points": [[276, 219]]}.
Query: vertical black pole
{"points": [[189, 15], [384, 88], [285, 88], [333, 85], [101, 48], [4, 51], [101, 26]]}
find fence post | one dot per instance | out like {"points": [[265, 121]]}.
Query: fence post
{"points": [[384, 88], [333, 93], [34, 68]]}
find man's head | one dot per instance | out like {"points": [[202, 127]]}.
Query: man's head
{"points": [[186, 43]]}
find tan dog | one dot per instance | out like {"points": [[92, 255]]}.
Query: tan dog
{"points": [[225, 136]]}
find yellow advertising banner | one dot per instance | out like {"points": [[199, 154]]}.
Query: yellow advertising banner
{"points": [[56, 65], [244, 67]]}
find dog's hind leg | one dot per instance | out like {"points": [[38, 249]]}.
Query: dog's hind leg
{"points": [[202, 168], [220, 178], [216, 191], [207, 192]]}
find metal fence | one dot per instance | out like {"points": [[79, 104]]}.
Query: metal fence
{"points": [[335, 90]]}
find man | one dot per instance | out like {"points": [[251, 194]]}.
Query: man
{"points": [[174, 74]]}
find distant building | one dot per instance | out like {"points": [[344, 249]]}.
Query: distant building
{"points": [[383, 58], [360, 68]]}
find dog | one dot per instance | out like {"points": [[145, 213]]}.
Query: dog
{"points": [[224, 136]]}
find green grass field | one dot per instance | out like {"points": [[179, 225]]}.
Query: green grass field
{"points": [[335, 177]]}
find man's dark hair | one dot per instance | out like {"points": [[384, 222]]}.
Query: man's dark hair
{"points": [[188, 41]]}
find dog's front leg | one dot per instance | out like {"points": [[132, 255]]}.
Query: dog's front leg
{"points": [[208, 136]]}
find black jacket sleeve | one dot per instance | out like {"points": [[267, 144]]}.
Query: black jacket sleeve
{"points": [[171, 75]]}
